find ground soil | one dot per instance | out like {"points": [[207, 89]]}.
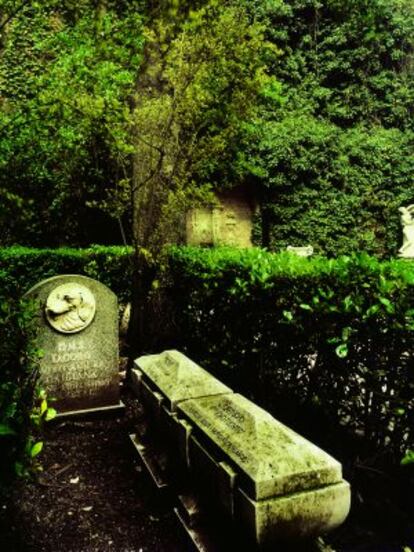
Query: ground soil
{"points": [[95, 496]]}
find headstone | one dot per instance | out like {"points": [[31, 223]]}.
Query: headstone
{"points": [[230, 222], [78, 333]]}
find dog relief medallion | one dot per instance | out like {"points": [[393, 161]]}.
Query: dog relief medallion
{"points": [[70, 308]]}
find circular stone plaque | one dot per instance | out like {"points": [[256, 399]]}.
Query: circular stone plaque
{"points": [[70, 308]]}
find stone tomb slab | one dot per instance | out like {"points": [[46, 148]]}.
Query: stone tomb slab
{"points": [[271, 459], [77, 329], [293, 517], [215, 478], [163, 381], [177, 378]]}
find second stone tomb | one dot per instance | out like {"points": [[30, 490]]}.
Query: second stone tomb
{"points": [[257, 471]]}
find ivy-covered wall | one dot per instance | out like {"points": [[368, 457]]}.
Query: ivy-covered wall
{"points": [[336, 189], [333, 156]]}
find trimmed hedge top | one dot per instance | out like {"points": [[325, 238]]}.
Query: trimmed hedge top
{"points": [[23, 267], [263, 265]]}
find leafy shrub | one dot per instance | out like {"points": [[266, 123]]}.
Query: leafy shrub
{"points": [[336, 189], [66, 76], [334, 160], [335, 336], [24, 267], [22, 405]]}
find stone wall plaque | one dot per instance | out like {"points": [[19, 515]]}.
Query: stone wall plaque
{"points": [[78, 333], [230, 222]]}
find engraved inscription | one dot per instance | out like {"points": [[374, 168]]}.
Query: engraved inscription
{"points": [[71, 363], [211, 427], [170, 361], [67, 351], [241, 432]]}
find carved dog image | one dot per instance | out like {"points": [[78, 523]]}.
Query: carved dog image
{"points": [[70, 308]]}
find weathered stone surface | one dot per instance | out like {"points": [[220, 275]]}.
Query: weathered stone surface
{"points": [[272, 459], [215, 477], [228, 223], [177, 378], [70, 308], [292, 517], [153, 401], [78, 333], [182, 435], [173, 432], [136, 379], [302, 251], [274, 484]]}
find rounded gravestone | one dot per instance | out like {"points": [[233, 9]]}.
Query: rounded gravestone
{"points": [[77, 319]]}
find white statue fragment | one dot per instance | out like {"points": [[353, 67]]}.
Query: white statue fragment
{"points": [[407, 220], [303, 251]]}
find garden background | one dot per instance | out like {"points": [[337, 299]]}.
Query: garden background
{"points": [[117, 117]]}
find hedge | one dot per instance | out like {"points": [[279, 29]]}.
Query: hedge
{"points": [[25, 267], [335, 336]]}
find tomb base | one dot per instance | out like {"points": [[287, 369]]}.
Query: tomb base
{"points": [[152, 460], [99, 411], [295, 517], [239, 473]]}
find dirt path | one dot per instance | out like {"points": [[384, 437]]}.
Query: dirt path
{"points": [[93, 496]]}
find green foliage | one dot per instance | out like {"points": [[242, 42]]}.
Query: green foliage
{"points": [[338, 189], [23, 267], [19, 419], [65, 145], [334, 159], [309, 102], [197, 94], [346, 62], [332, 335], [408, 458]]}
